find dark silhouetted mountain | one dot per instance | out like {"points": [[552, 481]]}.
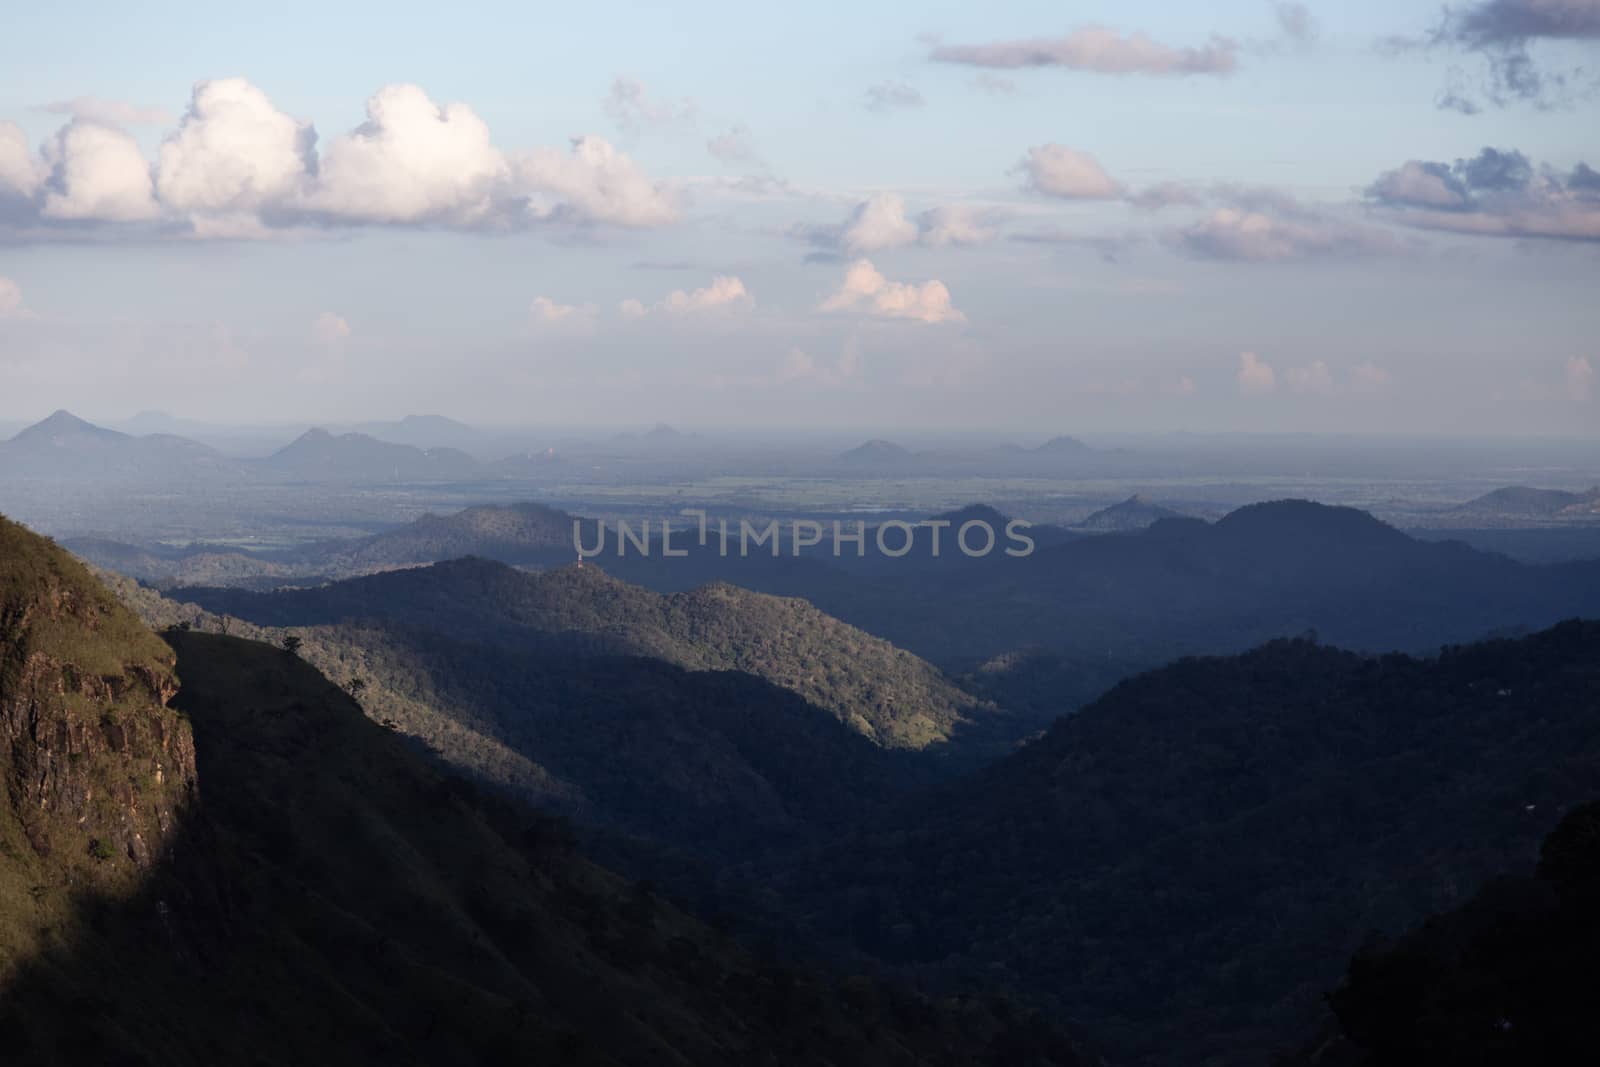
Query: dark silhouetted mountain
{"points": [[1134, 513], [882, 692], [318, 455], [64, 446], [1189, 860], [1501, 981], [877, 451], [1184, 586], [326, 894]]}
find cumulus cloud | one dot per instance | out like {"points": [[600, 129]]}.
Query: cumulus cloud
{"points": [[880, 222], [546, 312], [867, 291], [11, 305], [234, 154], [109, 112], [20, 173], [1099, 50], [1255, 377], [1263, 225], [1056, 170], [632, 109], [1497, 193], [954, 224], [891, 96], [1315, 378], [237, 166], [726, 293], [411, 161], [1501, 31], [594, 182], [97, 173], [1580, 379]]}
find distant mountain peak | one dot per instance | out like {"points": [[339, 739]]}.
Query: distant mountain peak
{"points": [[1134, 513], [1307, 518], [421, 421], [877, 450], [63, 424], [1062, 444]]}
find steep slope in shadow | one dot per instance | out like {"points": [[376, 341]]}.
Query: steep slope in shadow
{"points": [[333, 897], [1189, 860]]}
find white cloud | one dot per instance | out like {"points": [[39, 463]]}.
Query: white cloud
{"points": [[879, 223], [97, 173], [109, 112], [1278, 233], [237, 166], [1316, 378], [234, 154], [11, 305], [593, 183], [867, 290], [1056, 170], [725, 293], [1255, 377], [547, 312], [953, 224], [411, 161], [20, 173], [1580, 378]]}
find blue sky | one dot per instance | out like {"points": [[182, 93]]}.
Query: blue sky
{"points": [[1301, 232]]}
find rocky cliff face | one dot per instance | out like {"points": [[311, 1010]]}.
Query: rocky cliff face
{"points": [[95, 767]]}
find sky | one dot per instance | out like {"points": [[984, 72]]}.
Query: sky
{"points": [[1244, 215]]}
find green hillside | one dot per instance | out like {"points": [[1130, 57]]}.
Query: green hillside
{"points": [[329, 894]]}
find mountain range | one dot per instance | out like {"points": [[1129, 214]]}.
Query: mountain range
{"points": [[64, 446], [1183, 866], [1190, 860], [242, 867]]}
